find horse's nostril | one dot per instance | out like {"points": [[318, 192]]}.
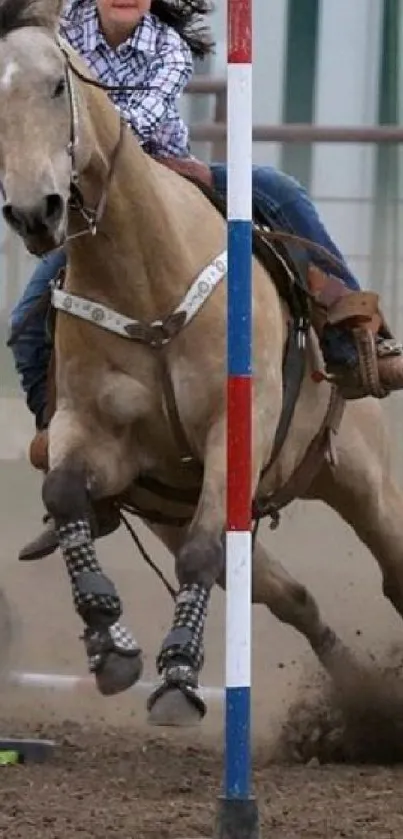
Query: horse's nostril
{"points": [[36, 220], [14, 218], [53, 208]]}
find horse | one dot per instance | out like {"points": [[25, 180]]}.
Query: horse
{"points": [[140, 348]]}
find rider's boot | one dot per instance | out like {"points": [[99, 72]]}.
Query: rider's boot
{"points": [[106, 516], [361, 356]]}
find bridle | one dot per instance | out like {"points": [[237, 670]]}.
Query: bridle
{"points": [[91, 215]]}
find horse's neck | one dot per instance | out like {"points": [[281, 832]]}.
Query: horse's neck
{"points": [[136, 263]]}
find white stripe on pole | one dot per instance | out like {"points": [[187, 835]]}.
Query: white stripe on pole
{"points": [[239, 609], [239, 142]]}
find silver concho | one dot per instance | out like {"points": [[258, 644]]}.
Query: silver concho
{"points": [[97, 315]]}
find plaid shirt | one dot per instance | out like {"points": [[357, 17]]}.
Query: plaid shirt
{"points": [[154, 58]]}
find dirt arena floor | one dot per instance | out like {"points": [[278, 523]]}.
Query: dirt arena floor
{"points": [[114, 776]]}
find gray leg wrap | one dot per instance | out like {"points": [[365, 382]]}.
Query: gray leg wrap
{"points": [[185, 641], [95, 596]]}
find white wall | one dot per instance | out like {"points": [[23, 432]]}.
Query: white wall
{"points": [[269, 45], [347, 94]]}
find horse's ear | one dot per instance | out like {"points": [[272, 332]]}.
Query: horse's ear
{"points": [[51, 11], [15, 14]]}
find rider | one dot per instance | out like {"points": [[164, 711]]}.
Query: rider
{"points": [[152, 42]]}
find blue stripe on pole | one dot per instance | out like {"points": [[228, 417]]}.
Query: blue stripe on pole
{"points": [[239, 298], [238, 751]]}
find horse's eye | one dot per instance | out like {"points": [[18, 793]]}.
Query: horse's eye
{"points": [[59, 88]]}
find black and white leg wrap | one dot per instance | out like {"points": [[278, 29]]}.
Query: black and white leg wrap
{"points": [[185, 640], [182, 652], [115, 638], [95, 596]]}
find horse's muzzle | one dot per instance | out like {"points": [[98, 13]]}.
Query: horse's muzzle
{"points": [[39, 223]]}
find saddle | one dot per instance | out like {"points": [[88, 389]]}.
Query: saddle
{"points": [[190, 168], [331, 302]]}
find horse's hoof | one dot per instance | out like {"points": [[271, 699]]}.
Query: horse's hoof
{"points": [[176, 701], [335, 657], [113, 657], [118, 672], [173, 708]]}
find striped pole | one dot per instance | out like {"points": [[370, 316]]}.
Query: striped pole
{"points": [[238, 817]]}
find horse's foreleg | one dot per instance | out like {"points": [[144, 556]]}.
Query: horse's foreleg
{"points": [[199, 564], [113, 654]]}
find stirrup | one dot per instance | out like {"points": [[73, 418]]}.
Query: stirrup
{"points": [[367, 343], [370, 376], [387, 347]]}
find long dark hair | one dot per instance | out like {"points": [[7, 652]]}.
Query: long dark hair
{"points": [[187, 17]]}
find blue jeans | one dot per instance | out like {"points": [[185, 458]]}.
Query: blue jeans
{"points": [[289, 208], [32, 349]]}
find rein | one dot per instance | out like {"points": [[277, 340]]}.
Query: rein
{"points": [[91, 216]]}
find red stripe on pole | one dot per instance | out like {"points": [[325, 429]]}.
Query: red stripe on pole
{"points": [[239, 31], [239, 451]]}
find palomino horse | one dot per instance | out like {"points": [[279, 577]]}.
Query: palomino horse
{"points": [[125, 390]]}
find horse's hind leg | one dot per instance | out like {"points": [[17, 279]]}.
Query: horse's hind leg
{"points": [[292, 603], [362, 490], [113, 655], [181, 656], [287, 599]]}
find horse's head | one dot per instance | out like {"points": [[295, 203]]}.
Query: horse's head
{"points": [[41, 143]]}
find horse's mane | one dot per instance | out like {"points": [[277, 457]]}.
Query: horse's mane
{"points": [[15, 14]]}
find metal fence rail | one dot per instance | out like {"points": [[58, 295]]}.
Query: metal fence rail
{"points": [[302, 133], [286, 133]]}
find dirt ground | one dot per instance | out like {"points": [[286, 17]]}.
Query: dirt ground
{"points": [[114, 776], [123, 783]]}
